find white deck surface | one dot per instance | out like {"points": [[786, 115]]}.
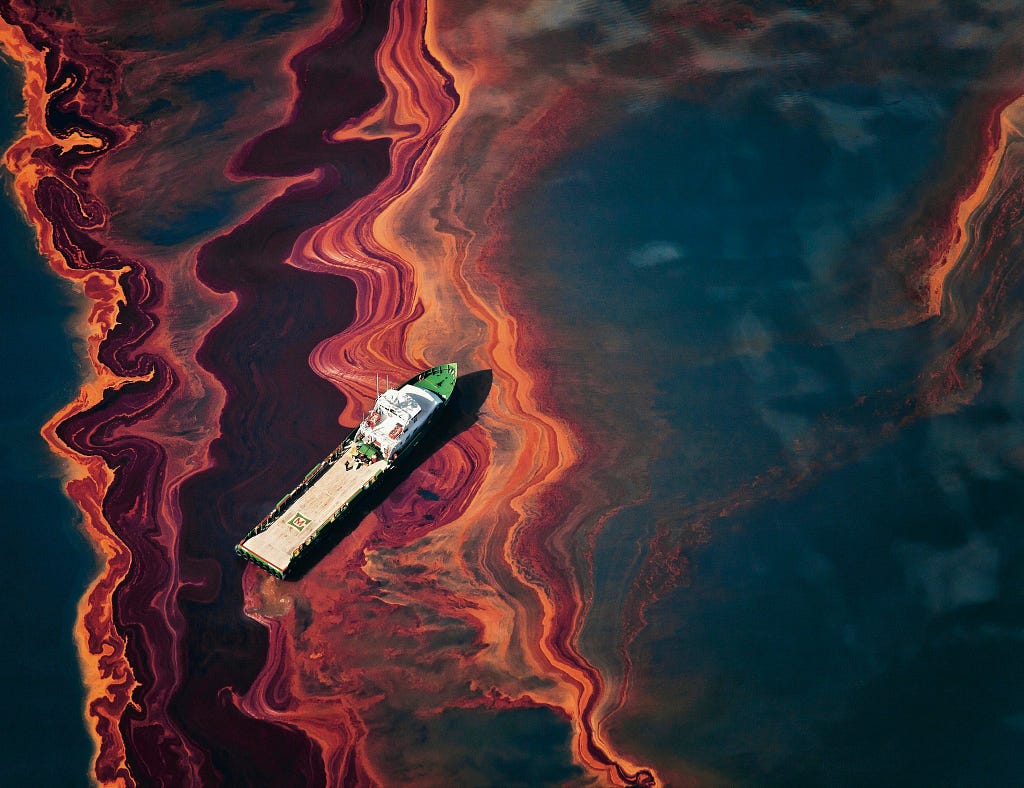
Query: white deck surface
{"points": [[278, 543]]}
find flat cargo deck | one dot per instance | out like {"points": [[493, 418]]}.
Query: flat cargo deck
{"points": [[386, 434], [300, 521]]}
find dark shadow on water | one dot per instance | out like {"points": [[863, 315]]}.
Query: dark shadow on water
{"points": [[471, 391]]}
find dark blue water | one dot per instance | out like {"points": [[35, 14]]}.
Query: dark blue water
{"points": [[48, 561], [866, 628]]}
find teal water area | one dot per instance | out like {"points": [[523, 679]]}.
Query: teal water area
{"points": [[48, 561], [865, 629]]}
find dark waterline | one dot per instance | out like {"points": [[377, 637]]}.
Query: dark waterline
{"points": [[49, 561]]}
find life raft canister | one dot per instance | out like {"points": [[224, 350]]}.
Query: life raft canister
{"points": [[395, 431], [373, 419]]}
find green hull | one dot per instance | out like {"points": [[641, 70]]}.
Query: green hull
{"points": [[441, 381]]}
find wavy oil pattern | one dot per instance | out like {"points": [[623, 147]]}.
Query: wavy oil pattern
{"points": [[529, 622], [948, 381], [143, 421], [419, 101], [482, 566], [69, 124], [972, 283]]}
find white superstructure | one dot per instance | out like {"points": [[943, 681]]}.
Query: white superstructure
{"points": [[396, 417]]}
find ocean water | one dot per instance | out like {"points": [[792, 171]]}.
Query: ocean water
{"points": [[48, 561], [849, 608], [861, 626]]}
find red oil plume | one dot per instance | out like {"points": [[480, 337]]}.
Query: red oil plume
{"points": [[522, 557], [108, 676], [146, 413], [485, 565], [469, 587]]}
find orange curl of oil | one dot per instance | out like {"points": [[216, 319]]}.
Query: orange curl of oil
{"points": [[109, 681]]}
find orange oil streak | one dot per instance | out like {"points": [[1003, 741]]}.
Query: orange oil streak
{"points": [[375, 236], [108, 677], [946, 385], [547, 450], [962, 237], [440, 310], [347, 245]]}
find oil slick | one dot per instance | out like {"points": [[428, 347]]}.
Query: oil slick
{"points": [[363, 225]]}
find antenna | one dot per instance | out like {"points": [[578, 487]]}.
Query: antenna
{"points": [[377, 387]]}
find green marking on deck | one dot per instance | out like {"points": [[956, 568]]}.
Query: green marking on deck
{"points": [[298, 522]]}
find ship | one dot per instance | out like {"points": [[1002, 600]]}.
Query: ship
{"points": [[399, 419]]}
